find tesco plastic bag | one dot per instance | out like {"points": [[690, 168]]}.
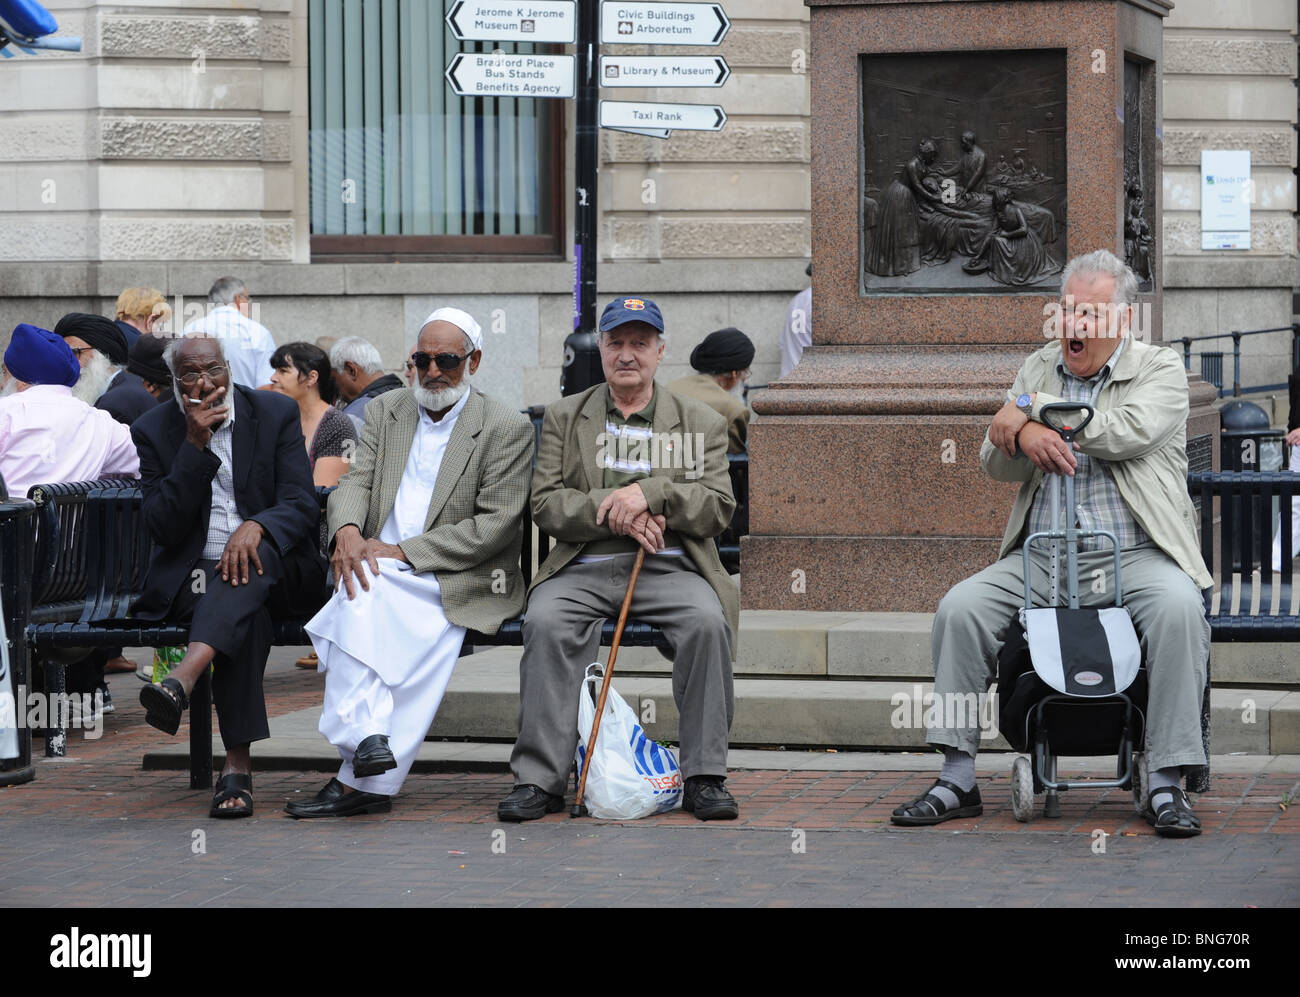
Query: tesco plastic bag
{"points": [[631, 775]]}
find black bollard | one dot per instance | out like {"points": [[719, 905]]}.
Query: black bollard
{"points": [[17, 552]]}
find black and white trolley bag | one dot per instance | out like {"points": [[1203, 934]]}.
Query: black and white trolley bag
{"points": [[1089, 653]]}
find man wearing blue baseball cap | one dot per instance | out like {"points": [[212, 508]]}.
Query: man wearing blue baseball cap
{"points": [[628, 464]]}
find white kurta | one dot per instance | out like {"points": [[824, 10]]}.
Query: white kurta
{"points": [[1295, 522], [388, 653]]}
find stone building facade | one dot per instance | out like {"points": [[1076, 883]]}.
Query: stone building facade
{"points": [[175, 148]]}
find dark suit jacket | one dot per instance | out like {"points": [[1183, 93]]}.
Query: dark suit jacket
{"points": [[126, 399], [273, 486]]}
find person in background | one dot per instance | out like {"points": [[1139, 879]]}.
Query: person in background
{"points": [[144, 309], [302, 371], [100, 345], [248, 343], [797, 333], [723, 360], [410, 367], [359, 374]]}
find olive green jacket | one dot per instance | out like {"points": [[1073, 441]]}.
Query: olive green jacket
{"points": [[1139, 429], [696, 501], [474, 526]]}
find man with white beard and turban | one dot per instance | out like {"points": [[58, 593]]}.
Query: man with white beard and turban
{"points": [[425, 533]]}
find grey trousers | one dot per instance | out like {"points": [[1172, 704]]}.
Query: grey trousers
{"points": [[562, 637], [1167, 614]]}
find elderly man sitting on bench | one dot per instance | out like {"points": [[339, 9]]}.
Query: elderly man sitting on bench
{"points": [[1130, 469]]}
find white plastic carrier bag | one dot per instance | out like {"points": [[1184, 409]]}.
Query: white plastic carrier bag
{"points": [[631, 775]]}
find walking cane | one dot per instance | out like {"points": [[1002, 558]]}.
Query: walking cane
{"points": [[604, 686]]}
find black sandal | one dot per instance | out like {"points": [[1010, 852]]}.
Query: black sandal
{"points": [[233, 786], [164, 702], [1174, 817], [930, 809]]}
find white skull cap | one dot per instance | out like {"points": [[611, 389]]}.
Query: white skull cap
{"points": [[461, 320]]}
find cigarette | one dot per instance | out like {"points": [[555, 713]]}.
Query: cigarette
{"points": [[193, 401]]}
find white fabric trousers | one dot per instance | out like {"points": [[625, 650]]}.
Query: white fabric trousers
{"points": [[387, 656], [1295, 520]]}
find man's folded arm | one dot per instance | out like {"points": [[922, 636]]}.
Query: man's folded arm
{"points": [[499, 507], [1155, 410], [996, 464]]}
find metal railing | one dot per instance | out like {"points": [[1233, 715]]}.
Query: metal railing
{"points": [[1212, 361]]}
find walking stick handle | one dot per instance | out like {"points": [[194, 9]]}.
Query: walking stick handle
{"points": [[609, 674]]}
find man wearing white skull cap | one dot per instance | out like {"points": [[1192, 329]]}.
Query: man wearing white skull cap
{"points": [[425, 531]]}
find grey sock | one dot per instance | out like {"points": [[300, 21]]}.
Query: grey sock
{"points": [[959, 769], [1164, 779]]}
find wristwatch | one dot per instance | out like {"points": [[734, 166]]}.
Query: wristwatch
{"points": [[1026, 405]]}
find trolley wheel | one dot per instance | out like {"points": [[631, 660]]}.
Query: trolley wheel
{"points": [[1140, 782], [1022, 790]]}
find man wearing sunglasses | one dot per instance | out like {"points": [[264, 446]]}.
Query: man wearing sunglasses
{"points": [[425, 533]]}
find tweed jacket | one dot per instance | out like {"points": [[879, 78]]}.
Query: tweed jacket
{"points": [[1139, 429], [697, 502], [474, 525]]}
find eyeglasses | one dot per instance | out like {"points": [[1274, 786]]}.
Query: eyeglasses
{"points": [[193, 377], [445, 361], [78, 350]]}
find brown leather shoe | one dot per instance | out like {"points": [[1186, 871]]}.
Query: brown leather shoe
{"points": [[119, 664], [308, 661]]}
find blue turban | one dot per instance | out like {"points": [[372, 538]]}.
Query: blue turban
{"points": [[37, 356]]}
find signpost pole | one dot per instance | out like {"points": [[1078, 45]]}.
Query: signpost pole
{"points": [[584, 368]]}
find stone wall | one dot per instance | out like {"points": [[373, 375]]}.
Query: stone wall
{"points": [[1230, 71]]}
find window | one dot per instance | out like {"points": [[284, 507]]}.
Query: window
{"points": [[400, 165]]}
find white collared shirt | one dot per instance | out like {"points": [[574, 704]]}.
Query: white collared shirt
{"points": [[411, 506], [224, 518], [247, 344]]}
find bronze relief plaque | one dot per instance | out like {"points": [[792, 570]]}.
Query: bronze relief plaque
{"points": [[963, 166]]}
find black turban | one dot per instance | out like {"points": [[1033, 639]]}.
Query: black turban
{"points": [[147, 360], [722, 352], [98, 332]]}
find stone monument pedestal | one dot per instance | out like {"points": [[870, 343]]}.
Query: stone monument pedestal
{"points": [[933, 123]]}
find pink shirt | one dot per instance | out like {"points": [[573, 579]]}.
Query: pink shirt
{"points": [[47, 437]]}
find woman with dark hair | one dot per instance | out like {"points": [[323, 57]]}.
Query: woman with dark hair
{"points": [[302, 371]]}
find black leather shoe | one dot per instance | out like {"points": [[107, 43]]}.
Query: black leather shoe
{"points": [[373, 756], [529, 803], [335, 801], [708, 799]]}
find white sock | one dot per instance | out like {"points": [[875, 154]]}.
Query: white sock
{"points": [[1165, 779], [959, 769]]}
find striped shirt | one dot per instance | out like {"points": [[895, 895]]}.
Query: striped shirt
{"points": [[1097, 501]]}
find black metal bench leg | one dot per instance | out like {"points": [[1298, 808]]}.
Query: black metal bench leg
{"points": [[56, 687], [201, 732]]}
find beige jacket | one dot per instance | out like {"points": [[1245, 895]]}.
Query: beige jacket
{"points": [[703, 388], [567, 485], [474, 526], [1140, 429]]}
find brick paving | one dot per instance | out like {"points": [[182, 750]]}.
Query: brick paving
{"points": [[804, 838]]}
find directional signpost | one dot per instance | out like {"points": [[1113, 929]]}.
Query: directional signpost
{"points": [[499, 74], [588, 24], [662, 23], [639, 114], [663, 71], [500, 21]]}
